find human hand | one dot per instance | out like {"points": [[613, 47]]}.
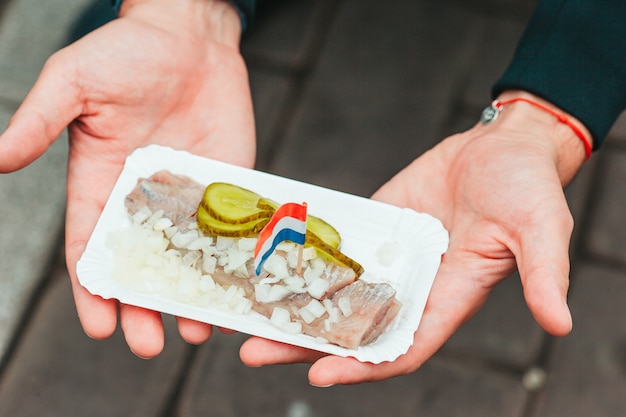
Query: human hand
{"points": [[166, 73], [498, 189]]}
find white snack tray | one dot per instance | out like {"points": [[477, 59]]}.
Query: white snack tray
{"points": [[365, 225]]}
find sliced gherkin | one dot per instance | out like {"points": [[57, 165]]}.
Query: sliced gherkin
{"points": [[230, 203], [215, 227], [267, 204], [332, 254], [324, 231]]}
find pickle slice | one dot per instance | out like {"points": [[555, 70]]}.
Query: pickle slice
{"points": [[215, 227], [230, 203], [267, 204], [324, 231], [332, 254]]}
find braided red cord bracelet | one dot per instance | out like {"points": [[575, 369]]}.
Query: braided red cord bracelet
{"points": [[492, 112]]}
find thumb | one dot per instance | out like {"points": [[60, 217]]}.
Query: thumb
{"points": [[48, 108], [543, 264]]}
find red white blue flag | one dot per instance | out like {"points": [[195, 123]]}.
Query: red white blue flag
{"points": [[287, 223]]}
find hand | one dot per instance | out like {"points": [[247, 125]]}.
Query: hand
{"points": [[166, 72], [498, 189]]}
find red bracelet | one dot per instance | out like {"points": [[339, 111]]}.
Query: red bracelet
{"points": [[492, 112]]}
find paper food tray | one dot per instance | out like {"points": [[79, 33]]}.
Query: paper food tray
{"points": [[364, 226]]}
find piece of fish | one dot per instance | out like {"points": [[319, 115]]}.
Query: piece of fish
{"points": [[177, 195]]}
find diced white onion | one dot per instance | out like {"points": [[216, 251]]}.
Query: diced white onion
{"points": [[280, 317], [309, 253], [247, 244], [208, 264], [181, 240], [277, 266], [318, 287], [312, 273], [262, 292], [155, 217], [277, 293], [162, 224], [203, 243], [269, 280], [141, 215], [316, 308], [295, 284], [344, 305], [306, 315], [223, 242], [206, 283], [190, 258], [286, 246], [293, 327], [170, 231]]}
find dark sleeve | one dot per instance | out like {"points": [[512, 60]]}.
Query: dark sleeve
{"points": [[247, 11], [573, 54]]}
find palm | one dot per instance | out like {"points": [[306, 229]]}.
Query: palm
{"points": [[494, 196], [124, 86]]}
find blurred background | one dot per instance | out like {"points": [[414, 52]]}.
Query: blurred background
{"points": [[346, 93]]}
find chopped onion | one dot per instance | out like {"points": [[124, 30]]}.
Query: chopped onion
{"points": [[223, 243], [208, 264], [313, 272], [318, 287], [141, 215], [295, 284], [280, 317], [277, 293], [309, 253], [277, 266], [262, 292], [162, 224], [181, 240], [206, 283], [344, 305], [155, 217], [191, 257], [292, 327], [203, 243], [247, 244], [170, 232], [316, 308], [269, 280], [306, 315]]}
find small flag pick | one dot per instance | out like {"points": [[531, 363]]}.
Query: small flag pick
{"points": [[287, 223]]}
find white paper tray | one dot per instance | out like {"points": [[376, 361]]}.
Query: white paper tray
{"points": [[363, 224]]}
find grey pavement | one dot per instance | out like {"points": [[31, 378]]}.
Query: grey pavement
{"points": [[346, 93]]}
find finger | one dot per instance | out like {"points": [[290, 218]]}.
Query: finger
{"points": [[143, 330], [89, 183], [193, 331], [543, 263], [257, 352], [49, 107], [89, 307]]}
